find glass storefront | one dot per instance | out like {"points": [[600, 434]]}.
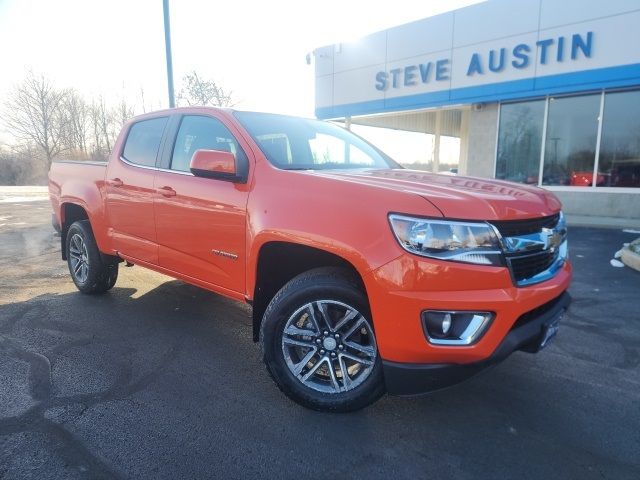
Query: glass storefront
{"points": [[570, 141], [619, 162], [570, 147], [520, 141]]}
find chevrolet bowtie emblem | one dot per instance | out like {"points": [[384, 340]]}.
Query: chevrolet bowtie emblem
{"points": [[552, 239]]}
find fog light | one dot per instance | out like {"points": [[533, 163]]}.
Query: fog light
{"points": [[454, 327], [446, 323]]}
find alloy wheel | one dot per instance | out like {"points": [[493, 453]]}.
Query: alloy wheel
{"points": [[329, 346], [79, 258]]}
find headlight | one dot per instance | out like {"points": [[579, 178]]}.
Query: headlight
{"points": [[448, 240]]}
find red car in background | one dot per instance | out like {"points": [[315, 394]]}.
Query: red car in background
{"points": [[585, 179]]}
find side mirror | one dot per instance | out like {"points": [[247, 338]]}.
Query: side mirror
{"points": [[215, 164]]}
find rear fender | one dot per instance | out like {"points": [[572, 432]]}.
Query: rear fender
{"points": [[89, 198]]}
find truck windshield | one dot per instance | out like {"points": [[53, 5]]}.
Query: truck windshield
{"points": [[292, 143]]}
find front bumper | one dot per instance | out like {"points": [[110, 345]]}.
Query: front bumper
{"points": [[401, 289], [528, 334]]}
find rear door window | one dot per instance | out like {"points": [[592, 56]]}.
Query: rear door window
{"points": [[143, 141]]}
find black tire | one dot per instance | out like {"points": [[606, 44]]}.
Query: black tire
{"points": [[97, 276], [335, 286]]}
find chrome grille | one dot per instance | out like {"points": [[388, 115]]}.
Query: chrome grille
{"points": [[535, 249], [528, 266], [513, 228]]}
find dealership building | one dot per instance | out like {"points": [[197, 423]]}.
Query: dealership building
{"points": [[538, 91]]}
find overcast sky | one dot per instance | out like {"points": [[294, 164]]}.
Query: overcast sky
{"points": [[256, 48]]}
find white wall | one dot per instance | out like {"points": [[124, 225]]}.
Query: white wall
{"points": [[601, 204], [482, 136]]}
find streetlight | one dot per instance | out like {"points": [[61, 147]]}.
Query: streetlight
{"points": [[167, 45]]}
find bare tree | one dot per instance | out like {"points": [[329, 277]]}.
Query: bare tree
{"points": [[46, 122], [97, 148], [34, 113], [123, 112], [105, 123], [102, 125], [144, 108], [76, 113], [199, 91], [22, 164]]}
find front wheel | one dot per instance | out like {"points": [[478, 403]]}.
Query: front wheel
{"points": [[89, 271], [319, 345]]}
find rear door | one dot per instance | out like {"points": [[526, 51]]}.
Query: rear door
{"points": [[201, 222], [130, 191]]}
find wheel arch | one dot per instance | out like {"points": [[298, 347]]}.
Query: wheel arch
{"points": [[70, 213], [280, 261]]}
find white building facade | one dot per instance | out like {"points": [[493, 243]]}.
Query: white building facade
{"points": [[538, 91]]}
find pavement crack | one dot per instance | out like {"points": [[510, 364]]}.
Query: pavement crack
{"points": [[39, 368], [75, 452]]}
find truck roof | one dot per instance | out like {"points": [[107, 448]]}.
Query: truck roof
{"points": [[204, 109], [169, 111]]}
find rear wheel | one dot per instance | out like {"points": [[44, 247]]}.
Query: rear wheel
{"points": [[319, 345], [89, 271]]}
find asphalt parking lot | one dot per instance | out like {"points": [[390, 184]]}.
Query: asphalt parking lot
{"points": [[158, 379]]}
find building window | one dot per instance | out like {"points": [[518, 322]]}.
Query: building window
{"points": [[570, 147], [619, 162], [520, 141], [570, 140]]}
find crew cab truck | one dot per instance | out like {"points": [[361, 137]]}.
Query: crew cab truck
{"points": [[364, 277]]}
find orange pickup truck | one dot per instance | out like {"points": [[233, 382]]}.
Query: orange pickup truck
{"points": [[364, 277]]}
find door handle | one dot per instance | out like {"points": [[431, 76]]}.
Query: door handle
{"points": [[115, 182], [166, 191]]}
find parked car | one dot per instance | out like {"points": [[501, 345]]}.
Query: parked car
{"points": [[585, 179], [364, 277]]}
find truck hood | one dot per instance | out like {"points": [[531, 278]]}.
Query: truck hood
{"points": [[468, 198]]}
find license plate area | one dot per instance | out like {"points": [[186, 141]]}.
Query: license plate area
{"points": [[550, 329]]}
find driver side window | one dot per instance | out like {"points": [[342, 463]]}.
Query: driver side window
{"points": [[203, 133]]}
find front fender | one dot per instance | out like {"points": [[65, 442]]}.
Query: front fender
{"points": [[329, 245]]}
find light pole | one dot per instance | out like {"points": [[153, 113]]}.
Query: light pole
{"points": [[167, 45]]}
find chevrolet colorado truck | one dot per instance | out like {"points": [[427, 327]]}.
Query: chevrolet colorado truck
{"points": [[364, 277]]}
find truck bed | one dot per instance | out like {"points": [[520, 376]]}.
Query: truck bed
{"points": [[75, 179]]}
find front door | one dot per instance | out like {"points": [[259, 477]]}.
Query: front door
{"points": [[130, 191], [201, 222]]}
